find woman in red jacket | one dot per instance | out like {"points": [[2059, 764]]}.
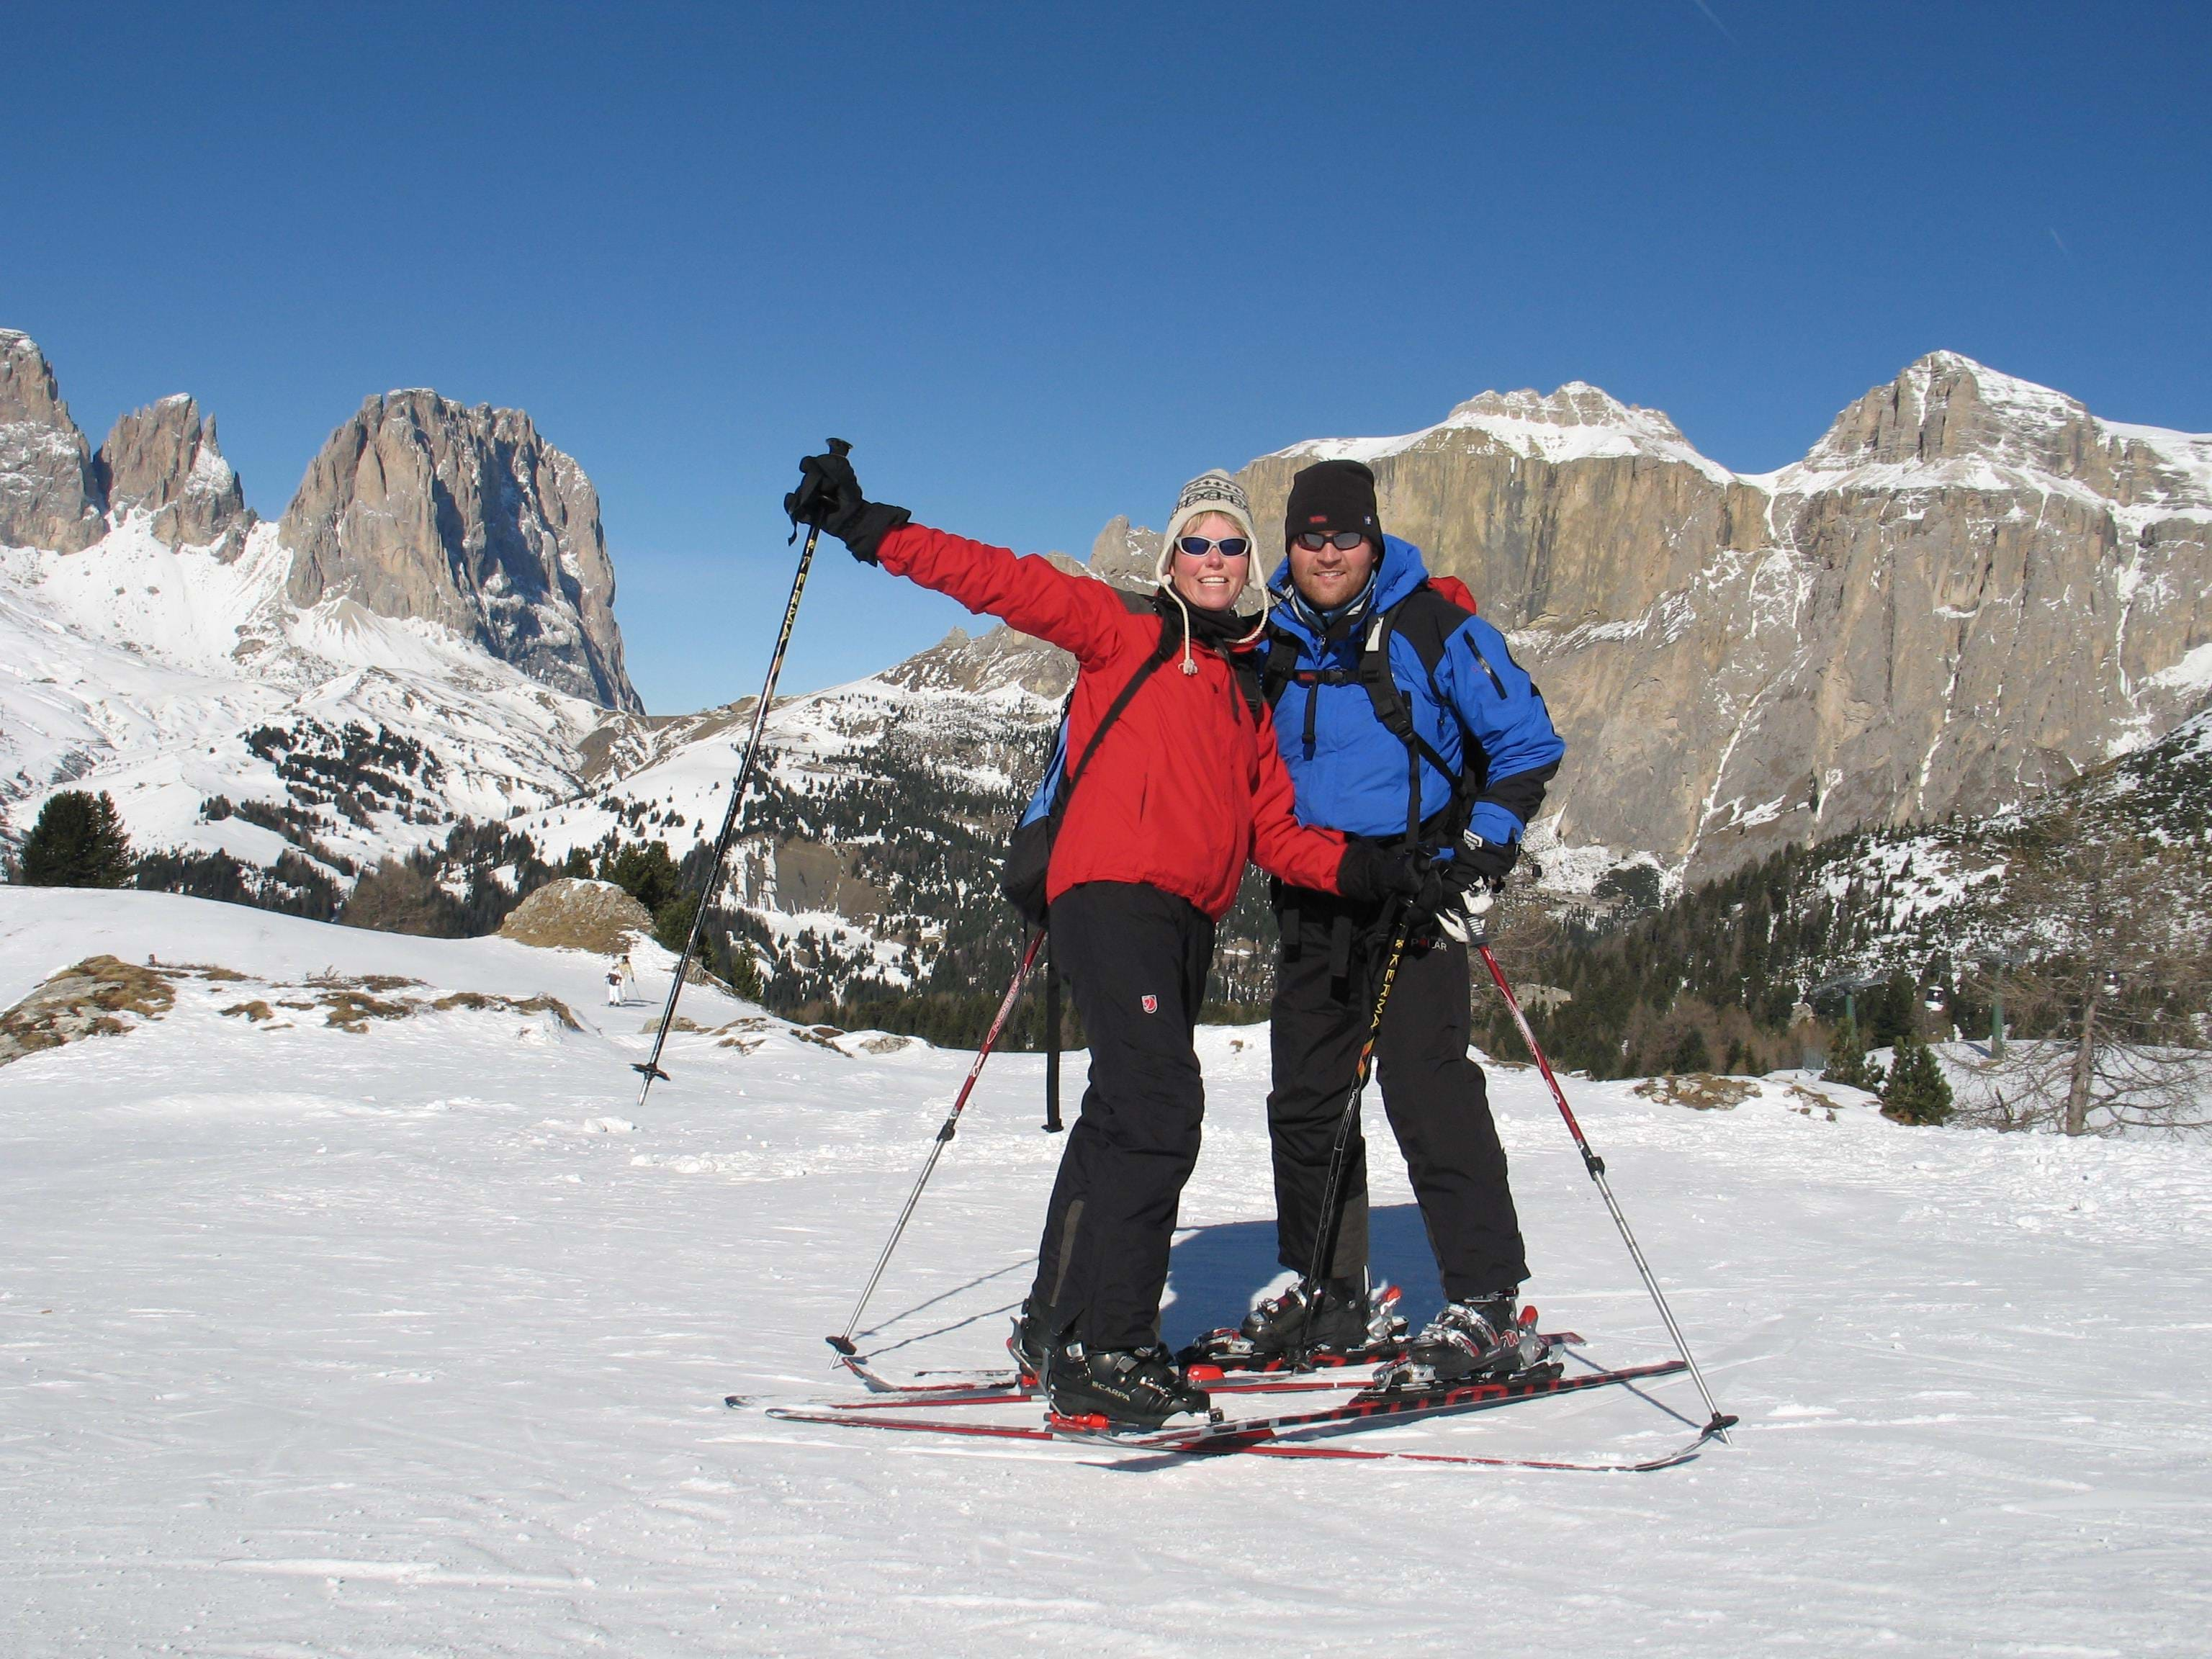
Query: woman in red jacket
{"points": [[1185, 788]]}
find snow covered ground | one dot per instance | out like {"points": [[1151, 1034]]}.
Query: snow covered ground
{"points": [[413, 1340]]}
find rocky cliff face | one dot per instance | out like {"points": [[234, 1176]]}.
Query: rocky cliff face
{"points": [[1971, 588], [418, 506], [164, 460], [49, 496]]}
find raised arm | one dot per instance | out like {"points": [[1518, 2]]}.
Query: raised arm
{"points": [[1076, 613], [1080, 614]]}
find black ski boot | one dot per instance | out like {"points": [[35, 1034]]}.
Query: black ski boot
{"points": [[1031, 1343], [1121, 1389], [1476, 1340], [1351, 1330]]}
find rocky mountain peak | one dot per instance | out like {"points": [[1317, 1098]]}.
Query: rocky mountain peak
{"points": [[993, 661], [49, 496], [1947, 420], [420, 506], [164, 459], [1125, 554], [1576, 422], [1945, 407], [1576, 403]]}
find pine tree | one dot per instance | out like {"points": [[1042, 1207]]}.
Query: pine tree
{"points": [[78, 841], [1897, 1010], [672, 922], [1847, 1059], [1915, 1091], [1690, 1053]]}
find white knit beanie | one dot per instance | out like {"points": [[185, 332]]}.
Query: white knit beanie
{"points": [[1212, 491], [1209, 492]]}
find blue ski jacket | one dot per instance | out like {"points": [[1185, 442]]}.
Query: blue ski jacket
{"points": [[1351, 775]]}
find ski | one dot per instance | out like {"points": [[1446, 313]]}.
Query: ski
{"points": [[1261, 1436], [1666, 1459], [1371, 1405], [1009, 1387]]}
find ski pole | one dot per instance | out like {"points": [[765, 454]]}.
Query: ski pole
{"points": [[1326, 1226], [1721, 1423], [944, 1133], [650, 1067]]}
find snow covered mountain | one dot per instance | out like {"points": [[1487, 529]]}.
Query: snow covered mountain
{"points": [[426, 636], [172, 677], [1970, 591]]}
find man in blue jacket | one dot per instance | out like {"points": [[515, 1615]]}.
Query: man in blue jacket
{"points": [[1460, 763]]}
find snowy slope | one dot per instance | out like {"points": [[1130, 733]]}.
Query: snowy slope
{"points": [[414, 1341], [142, 670], [892, 763]]}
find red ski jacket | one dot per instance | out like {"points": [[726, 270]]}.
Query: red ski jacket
{"points": [[1187, 788]]}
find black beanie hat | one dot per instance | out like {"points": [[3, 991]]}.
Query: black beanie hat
{"points": [[1330, 496]]}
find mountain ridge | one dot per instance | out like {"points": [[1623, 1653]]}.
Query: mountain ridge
{"points": [[1866, 635], [416, 507], [1969, 591]]}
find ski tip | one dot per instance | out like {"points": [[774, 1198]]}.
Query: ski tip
{"points": [[843, 1346]]}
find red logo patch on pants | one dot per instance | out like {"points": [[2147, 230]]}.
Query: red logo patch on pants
{"points": [[1151, 1004]]}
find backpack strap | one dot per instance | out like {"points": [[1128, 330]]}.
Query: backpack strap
{"points": [[1434, 617], [1282, 665], [1160, 652], [1381, 684]]}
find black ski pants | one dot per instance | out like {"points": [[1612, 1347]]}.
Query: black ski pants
{"points": [[1135, 960], [1438, 1101]]}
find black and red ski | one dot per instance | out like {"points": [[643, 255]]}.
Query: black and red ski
{"points": [[1263, 1436], [1010, 1386]]}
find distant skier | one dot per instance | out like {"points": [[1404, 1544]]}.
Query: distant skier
{"points": [[629, 979], [615, 984], [1184, 788], [1357, 627]]}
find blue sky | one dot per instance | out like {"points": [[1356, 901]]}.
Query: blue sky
{"points": [[1041, 264]]}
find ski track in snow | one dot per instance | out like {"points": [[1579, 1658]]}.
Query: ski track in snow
{"points": [[415, 1342]]}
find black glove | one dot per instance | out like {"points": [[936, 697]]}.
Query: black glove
{"points": [[1372, 872], [829, 498], [1473, 881]]}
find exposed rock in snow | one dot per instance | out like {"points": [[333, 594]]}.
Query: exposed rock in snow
{"points": [[49, 497], [164, 460], [576, 914], [420, 508], [99, 996]]}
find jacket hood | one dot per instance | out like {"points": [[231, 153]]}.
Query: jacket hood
{"points": [[1400, 573]]}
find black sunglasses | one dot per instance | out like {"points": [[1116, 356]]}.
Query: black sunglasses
{"points": [[1314, 540], [1232, 547]]}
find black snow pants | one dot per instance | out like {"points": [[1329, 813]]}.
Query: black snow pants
{"points": [[1437, 1102], [1135, 959]]}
